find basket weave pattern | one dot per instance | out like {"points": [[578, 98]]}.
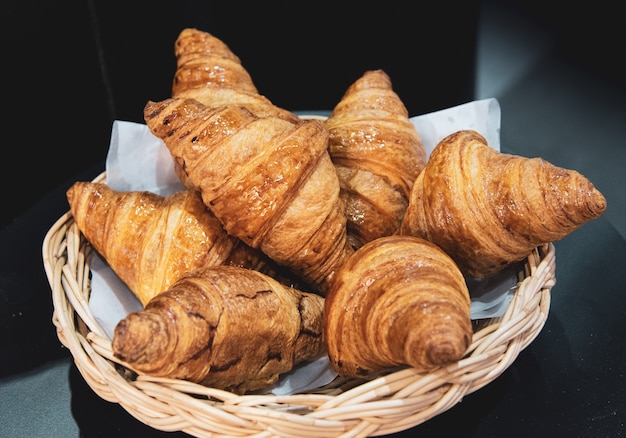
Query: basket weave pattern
{"points": [[387, 404]]}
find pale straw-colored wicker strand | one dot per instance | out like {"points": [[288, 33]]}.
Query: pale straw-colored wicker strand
{"points": [[151, 411], [76, 279], [374, 410], [63, 315], [55, 248], [197, 418], [454, 393], [285, 424], [450, 398], [179, 411], [92, 371], [308, 401], [207, 409], [372, 389], [191, 388]]}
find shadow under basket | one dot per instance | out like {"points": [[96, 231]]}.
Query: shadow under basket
{"points": [[388, 404]]}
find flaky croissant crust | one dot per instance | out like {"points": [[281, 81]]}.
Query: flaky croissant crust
{"points": [[150, 241], [208, 71], [370, 128], [270, 182], [203, 59], [377, 152], [489, 209], [226, 327], [399, 300]]}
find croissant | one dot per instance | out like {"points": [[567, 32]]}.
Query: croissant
{"points": [[398, 301], [225, 327], [149, 241], [269, 182], [378, 154], [207, 70], [489, 209]]}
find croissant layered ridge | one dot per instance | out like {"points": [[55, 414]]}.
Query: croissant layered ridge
{"points": [[489, 209], [378, 154], [203, 59], [150, 241], [270, 182], [398, 301], [225, 327], [209, 71]]}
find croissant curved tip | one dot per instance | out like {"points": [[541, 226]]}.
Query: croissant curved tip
{"points": [[437, 349], [73, 192], [69, 194], [133, 338], [599, 203]]}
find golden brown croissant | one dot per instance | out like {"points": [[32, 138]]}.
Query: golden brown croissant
{"points": [[489, 209], [378, 154], [399, 300], [269, 182], [203, 59], [208, 71], [225, 327], [149, 241]]}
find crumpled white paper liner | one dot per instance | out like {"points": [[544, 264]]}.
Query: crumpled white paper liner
{"points": [[482, 116], [137, 160], [110, 300]]}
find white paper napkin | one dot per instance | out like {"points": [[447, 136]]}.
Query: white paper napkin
{"points": [[482, 116]]}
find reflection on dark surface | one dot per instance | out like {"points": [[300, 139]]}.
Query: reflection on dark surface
{"points": [[96, 417]]}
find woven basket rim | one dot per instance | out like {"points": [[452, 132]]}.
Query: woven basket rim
{"points": [[387, 404]]}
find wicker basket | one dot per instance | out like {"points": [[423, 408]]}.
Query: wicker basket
{"points": [[390, 403]]}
